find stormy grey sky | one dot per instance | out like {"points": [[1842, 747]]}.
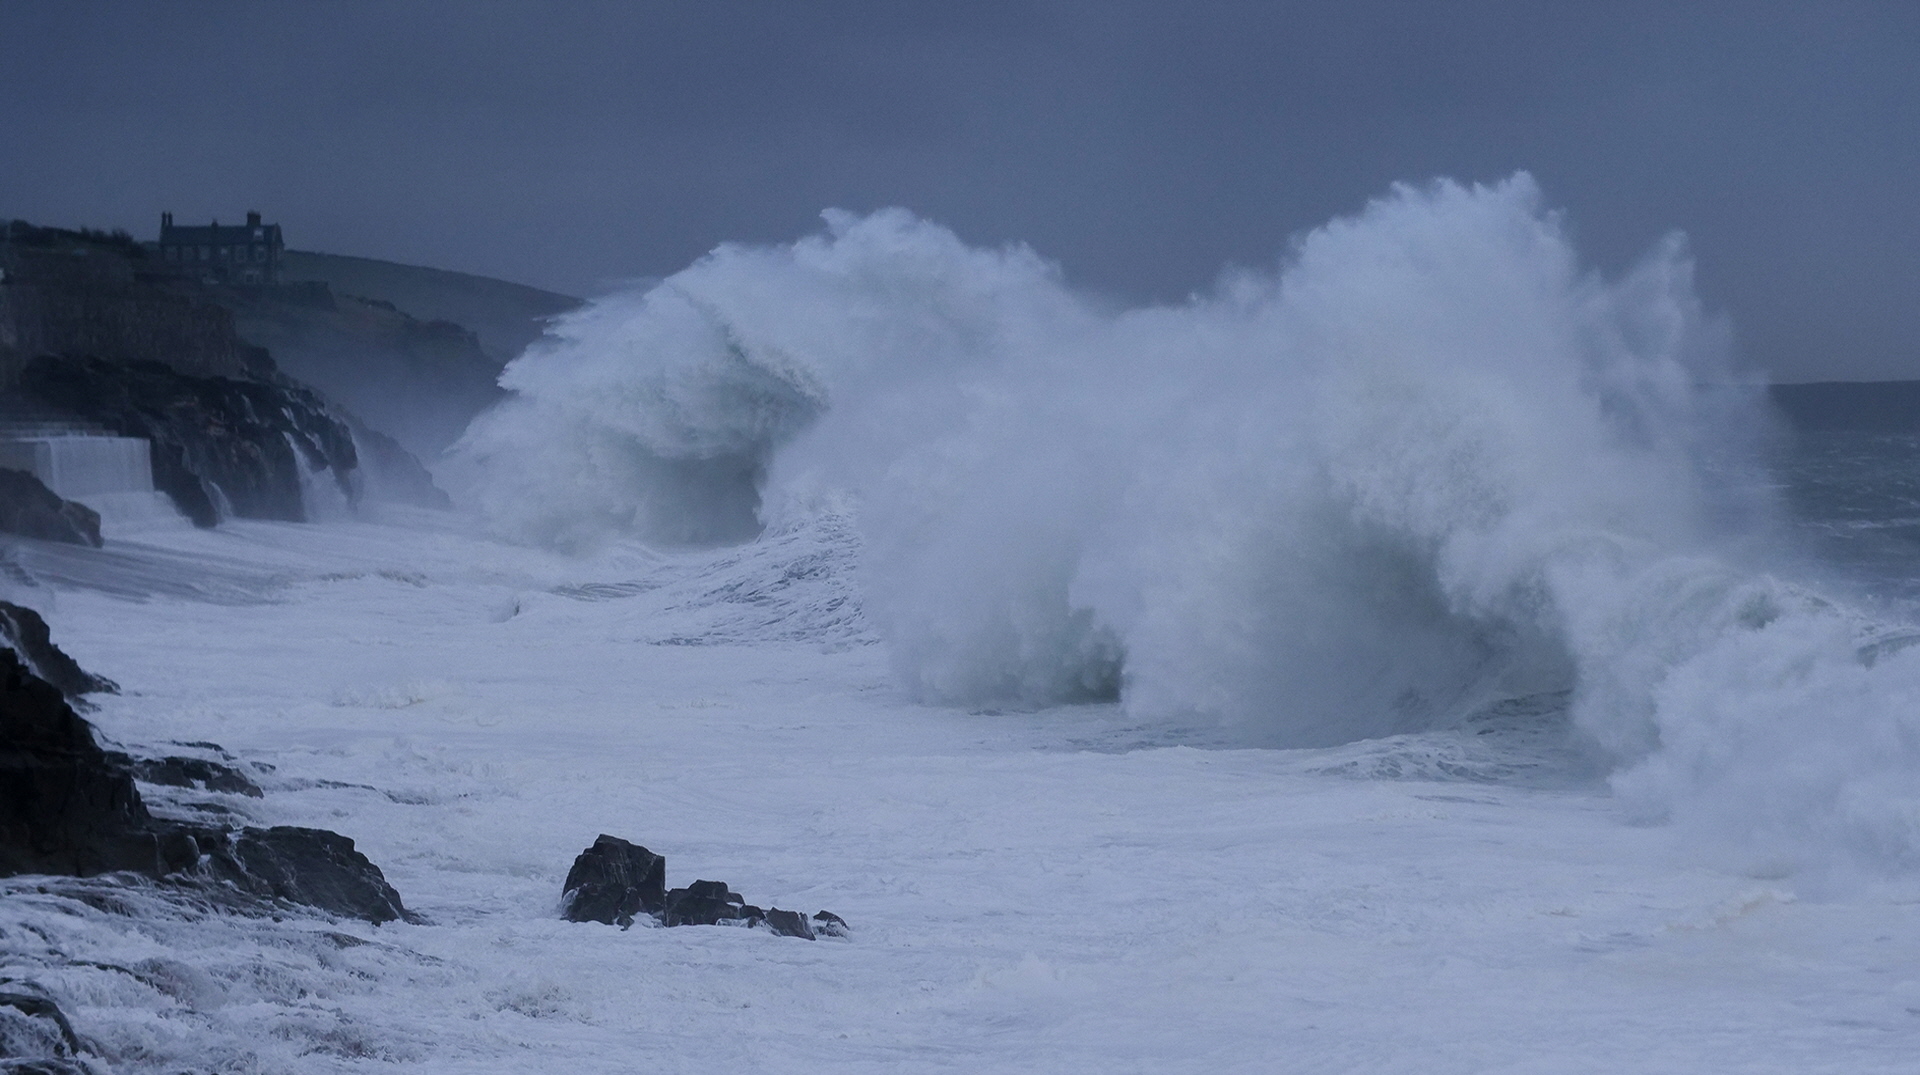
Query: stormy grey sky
{"points": [[1144, 146]]}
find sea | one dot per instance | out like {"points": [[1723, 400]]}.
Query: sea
{"points": [[1426, 654]]}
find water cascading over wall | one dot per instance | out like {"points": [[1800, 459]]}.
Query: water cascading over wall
{"points": [[81, 466]]}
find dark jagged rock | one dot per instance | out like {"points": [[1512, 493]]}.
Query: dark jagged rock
{"points": [[197, 773], [218, 443], [68, 807], [711, 890], [314, 867], [789, 923], [703, 903], [65, 808], [613, 881], [22, 629], [30, 509]]}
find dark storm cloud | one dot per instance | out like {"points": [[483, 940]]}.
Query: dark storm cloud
{"points": [[1142, 145]]}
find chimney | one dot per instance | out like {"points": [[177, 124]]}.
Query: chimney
{"points": [[166, 221], [253, 220]]}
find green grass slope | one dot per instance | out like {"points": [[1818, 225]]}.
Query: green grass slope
{"points": [[505, 316]]}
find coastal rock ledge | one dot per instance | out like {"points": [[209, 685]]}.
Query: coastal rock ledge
{"points": [[70, 808]]}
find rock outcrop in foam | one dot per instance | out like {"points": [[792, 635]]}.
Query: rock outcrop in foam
{"points": [[616, 882], [69, 807]]}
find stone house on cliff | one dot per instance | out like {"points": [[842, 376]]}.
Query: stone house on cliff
{"points": [[249, 253]]}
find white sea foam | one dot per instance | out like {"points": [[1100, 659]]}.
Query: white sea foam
{"points": [[1429, 463]]}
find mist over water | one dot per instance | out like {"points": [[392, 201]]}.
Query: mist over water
{"points": [[1430, 463]]}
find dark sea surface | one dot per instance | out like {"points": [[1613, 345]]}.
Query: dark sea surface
{"points": [[1848, 473]]}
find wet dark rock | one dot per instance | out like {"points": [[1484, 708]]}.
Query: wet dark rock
{"points": [[65, 807], [705, 903], [30, 509], [197, 773], [711, 890], [613, 881], [684, 909], [23, 630], [219, 444], [313, 867], [789, 923], [33, 1029], [68, 807]]}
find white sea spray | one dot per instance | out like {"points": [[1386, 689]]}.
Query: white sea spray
{"points": [[1429, 463]]}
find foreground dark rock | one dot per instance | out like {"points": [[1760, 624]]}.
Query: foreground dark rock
{"points": [[614, 882], [30, 509], [789, 923], [706, 903], [64, 807], [23, 630], [69, 807], [313, 867], [220, 444]]}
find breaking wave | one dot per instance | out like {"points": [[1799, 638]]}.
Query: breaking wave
{"points": [[1429, 464]]}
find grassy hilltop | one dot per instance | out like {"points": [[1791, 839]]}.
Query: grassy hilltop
{"points": [[506, 317]]}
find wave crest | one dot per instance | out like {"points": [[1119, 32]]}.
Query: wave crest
{"points": [[1428, 464]]}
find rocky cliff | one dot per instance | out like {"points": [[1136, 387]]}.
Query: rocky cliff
{"points": [[418, 381], [71, 808], [505, 317], [94, 331], [221, 445]]}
